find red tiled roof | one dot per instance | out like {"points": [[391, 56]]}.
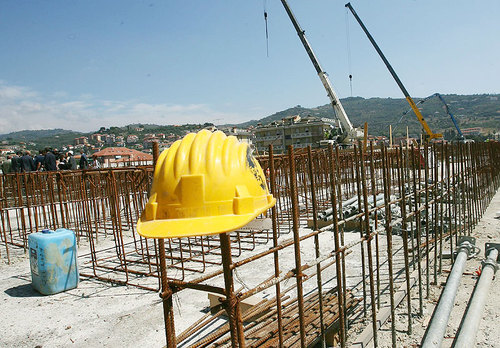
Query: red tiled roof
{"points": [[124, 152]]}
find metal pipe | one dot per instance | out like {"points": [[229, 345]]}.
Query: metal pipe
{"points": [[470, 324], [437, 327]]}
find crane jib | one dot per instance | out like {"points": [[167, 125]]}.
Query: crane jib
{"points": [[420, 118]]}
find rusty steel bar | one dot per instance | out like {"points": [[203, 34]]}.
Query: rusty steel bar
{"points": [[316, 245], [388, 231], [402, 193], [368, 244], [436, 212], [427, 230], [166, 294], [295, 216], [417, 225], [102, 207], [275, 245], [374, 195], [358, 191], [338, 255], [231, 302], [338, 181]]}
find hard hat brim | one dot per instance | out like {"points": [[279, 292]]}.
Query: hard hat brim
{"points": [[192, 227]]}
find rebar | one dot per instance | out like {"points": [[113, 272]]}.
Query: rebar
{"points": [[404, 193]]}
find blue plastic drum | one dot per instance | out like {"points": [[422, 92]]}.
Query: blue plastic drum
{"points": [[53, 260]]}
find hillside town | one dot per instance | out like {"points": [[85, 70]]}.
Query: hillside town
{"points": [[104, 149]]}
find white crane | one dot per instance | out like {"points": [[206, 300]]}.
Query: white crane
{"points": [[348, 131]]}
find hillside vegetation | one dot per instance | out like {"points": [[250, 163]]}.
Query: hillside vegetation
{"points": [[470, 111]]}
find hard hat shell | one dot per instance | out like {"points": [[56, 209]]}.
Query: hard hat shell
{"points": [[206, 183]]}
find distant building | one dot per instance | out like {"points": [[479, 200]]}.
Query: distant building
{"points": [[243, 135], [109, 138], [471, 131], [96, 137], [6, 151], [378, 139], [122, 157], [132, 138], [148, 141], [292, 130], [81, 141]]}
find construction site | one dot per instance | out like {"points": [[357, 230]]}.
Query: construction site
{"points": [[355, 236], [345, 244]]}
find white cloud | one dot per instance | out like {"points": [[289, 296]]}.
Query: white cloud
{"points": [[22, 108]]}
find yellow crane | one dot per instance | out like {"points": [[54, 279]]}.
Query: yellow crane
{"points": [[429, 133]]}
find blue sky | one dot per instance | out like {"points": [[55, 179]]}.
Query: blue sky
{"points": [[85, 64]]}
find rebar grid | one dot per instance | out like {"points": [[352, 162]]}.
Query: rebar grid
{"points": [[419, 198]]}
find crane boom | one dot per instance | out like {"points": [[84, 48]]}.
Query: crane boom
{"points": [[348, 129], [450, 114], [447, 109], [409, 99]]}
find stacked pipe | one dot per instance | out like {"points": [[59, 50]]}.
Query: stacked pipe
{"points": [[350, 207]]}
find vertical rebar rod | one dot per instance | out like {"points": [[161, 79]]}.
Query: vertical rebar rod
{"points": [[408, 175], [232, 303], [374, 194], [274, 213], [361, 245], [338, 166], [402, 194], [441, 210], [369, 245], [168, 309], [427, 229], [449, 196], [388, 232], [296, 237], [316, 245], [340, 231], [340, 280], [416, 205], [436, 206]]}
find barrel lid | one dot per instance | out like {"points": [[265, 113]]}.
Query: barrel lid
{"points": [[47, 231]]}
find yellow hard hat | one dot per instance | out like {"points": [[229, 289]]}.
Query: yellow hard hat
{"points": [[206, 183]]}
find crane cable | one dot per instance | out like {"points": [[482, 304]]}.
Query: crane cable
{"points": [[408, 111], [267, 33], [348, 36]]}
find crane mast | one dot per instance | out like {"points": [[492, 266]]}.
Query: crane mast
{"points": [[427, 129], [348, 130]]}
